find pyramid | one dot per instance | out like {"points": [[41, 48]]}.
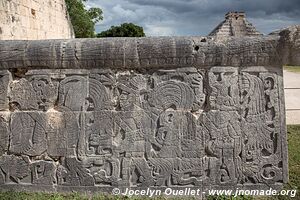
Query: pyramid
{"points": [[235, 24]]}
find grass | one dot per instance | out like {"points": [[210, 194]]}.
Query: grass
{"points": [[295, 69], [294, 181]]}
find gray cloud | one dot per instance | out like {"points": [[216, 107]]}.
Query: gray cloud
{"points": [[195, 17]]}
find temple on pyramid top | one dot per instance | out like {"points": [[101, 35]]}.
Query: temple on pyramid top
{"points": [[235, 24]]}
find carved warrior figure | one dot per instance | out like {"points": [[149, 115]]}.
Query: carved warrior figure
{"points": [[222, 123], [175, 132], [257, 110], [28, 134]]}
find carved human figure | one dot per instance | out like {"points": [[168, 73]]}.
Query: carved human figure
{"points": [[28, 133], [72, 93], [260, 112], [167, 138], [271, 95], [222, 123], [131, 91], [132, 125], [99, 132], [223, 82], [224, 143], [254, 113]]}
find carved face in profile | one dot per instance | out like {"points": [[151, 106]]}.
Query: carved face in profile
{"points": [[129, 90], [126, 100], [269, 83]]}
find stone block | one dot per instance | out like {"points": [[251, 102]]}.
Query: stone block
{"points": [[19, 170], [28, 133], [5, 79], [4, 132], [38, 92], [65, 130]]}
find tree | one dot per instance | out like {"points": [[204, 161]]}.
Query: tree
{"points": [[83, 20], [124, 30]]}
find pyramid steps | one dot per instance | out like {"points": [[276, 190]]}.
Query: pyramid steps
{"points": [[235, 24]]}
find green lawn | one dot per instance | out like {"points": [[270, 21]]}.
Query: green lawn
{"points": [[295, 69], [294, 181]]}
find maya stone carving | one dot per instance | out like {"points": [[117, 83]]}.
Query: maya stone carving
{"points": [[167, 114]]}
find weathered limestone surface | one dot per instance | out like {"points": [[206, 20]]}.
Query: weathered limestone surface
{"points": [[95, 114], [34, 20]]}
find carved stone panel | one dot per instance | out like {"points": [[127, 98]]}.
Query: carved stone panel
{"points": [[63, 134], [28, 133], [37, 92], [174, 125]]}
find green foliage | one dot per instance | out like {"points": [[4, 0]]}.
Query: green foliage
{"points": [[11, 195], [83, 20], [229, 198], [95, 14], [295, 69], [124, 30]]}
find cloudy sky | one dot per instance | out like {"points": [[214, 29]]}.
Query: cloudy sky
{"points": [[194, 17]]}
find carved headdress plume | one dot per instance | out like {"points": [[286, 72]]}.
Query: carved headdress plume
{"points": [[172, 94], [134, 85]]}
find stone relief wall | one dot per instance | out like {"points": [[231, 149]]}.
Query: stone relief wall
{"points": [[69, 122], [175, 127]]}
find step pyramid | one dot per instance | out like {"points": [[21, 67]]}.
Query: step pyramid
{"points": [[235, 24]]}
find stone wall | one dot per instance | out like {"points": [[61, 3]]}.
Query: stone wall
{"points": [[34, 20], [96, 114]]}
